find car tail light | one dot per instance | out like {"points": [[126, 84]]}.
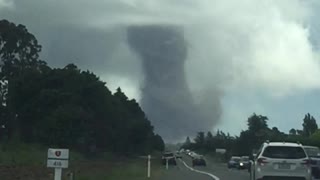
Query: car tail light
{"points": [[306, 162], [262, 161]]}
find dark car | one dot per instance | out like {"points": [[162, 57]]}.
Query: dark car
{"points": [[198, 161], [234, 162], [178, 155], [314, 155], [169, 156], [244, 162]]}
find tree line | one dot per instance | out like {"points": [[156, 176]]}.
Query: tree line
{"points": [[64, 107], [256, 133]]}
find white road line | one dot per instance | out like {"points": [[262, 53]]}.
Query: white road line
{"points": [[201, 172]]}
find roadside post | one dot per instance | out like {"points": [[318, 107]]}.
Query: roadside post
{"points": [[149, 166], [167, 163], [148, 158], [58, 159]]}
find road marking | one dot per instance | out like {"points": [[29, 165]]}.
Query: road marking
{"points": [[201, 172]]}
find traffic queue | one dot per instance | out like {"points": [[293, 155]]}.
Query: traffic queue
{"points": [[170, 158], [280, 160]]}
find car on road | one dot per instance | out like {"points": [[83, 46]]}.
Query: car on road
{"points": [[199, 160], [313, 153], [187, 151], [281, 160], [178, 155], [168, 157], [192, 154], [234, 162], [244, 162], [182, 150]]}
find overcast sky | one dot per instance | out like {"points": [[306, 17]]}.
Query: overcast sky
{"points": [[262, 55]]}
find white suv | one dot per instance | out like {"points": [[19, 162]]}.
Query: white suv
{"points": [[281, 160]]}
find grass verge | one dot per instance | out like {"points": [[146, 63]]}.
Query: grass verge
{"points": [[28, 162]]}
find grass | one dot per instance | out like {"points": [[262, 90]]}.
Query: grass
{"points": [[22, 154], [133, 170], [123, 169], [29, 160]]}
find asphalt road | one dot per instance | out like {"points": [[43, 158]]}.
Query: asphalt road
{"points": [[213, 171], [181, 172]]}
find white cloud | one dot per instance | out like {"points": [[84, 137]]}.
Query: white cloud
{"points": [[254, 44]]}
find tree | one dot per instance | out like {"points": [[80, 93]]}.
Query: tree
{"points": [[158, 143], [315, 138], [56, 110], [209, 142], [276, 130], [200, 139], [243, 144], [256, 134], [119, 94], [299, 132], [293, 132], [257, 123], [309, 125], [19, 51], [188, 141], [209, 137]]}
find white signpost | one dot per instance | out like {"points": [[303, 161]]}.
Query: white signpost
{"points": [[167, 163], [149, 166], [58, 159]]}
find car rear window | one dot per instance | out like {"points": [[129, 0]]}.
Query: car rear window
{"points": [[168, 154], [235, 159], [245, 159], [312, 152], [284, 152]]}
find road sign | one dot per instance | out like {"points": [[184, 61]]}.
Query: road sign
{"points": [[149, 166], [51, 163], [58, 159]]}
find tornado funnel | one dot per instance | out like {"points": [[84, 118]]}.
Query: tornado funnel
{"points": [[166, 97]]}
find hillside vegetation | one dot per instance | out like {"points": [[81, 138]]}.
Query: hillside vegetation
{"points": [[251, 139]]}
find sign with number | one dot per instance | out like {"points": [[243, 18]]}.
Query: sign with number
{"points": [[58, 158], [57, 163]]}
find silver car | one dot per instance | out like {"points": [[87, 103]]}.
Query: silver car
{"points": [[281, 160], [313, 153]]}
